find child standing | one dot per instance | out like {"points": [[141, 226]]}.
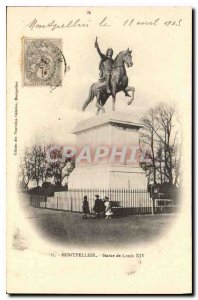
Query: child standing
{"points": [[108, 210]]}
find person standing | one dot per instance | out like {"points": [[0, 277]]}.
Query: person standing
{"points": [[85, 207], [97, 206], [103, 208], [108, 209]]}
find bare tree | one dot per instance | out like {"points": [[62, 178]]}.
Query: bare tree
{"points": [[149, 137], [25, 168], [38, 163], [60, 168], [35, 165], [162, 135]]}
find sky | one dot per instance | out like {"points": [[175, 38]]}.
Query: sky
{"points": [[161, 70]]}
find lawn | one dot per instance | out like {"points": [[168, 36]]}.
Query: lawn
{"points": [[70, 228]]}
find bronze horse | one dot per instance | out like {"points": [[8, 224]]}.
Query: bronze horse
{"points": [[119, 82]]}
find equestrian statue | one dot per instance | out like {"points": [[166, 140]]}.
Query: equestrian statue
{"points": [[113, 79]]}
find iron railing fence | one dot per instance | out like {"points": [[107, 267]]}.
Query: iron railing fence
{"points": [[123, 201]]}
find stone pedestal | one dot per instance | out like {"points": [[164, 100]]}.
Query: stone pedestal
{"points": [[116, 131]]}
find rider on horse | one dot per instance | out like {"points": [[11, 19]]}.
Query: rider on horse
{"points": [[105, 66]]}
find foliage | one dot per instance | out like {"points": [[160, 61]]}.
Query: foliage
{"points": [[37, 167]]}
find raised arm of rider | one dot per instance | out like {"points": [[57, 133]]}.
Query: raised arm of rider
{"points": [[98, 49]]}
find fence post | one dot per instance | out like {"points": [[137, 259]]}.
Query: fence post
{"points": [[153, 206]]}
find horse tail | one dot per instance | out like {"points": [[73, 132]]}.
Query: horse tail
{"points": [[89, 98]]}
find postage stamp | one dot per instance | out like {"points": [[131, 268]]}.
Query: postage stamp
{"points": [[42, 62]]}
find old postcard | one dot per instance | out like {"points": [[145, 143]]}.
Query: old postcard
{"points": [[99, 150]]}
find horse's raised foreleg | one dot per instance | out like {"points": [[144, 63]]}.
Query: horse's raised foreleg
{"points": [[132, 90], [127, 94]]}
